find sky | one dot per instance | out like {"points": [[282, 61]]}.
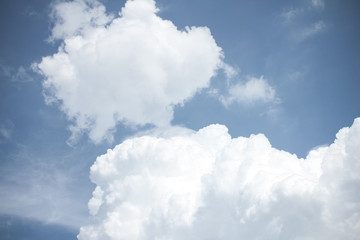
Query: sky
{"points": [[179, 119]]}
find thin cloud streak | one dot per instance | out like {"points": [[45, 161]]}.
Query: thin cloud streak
{"points": [[310, 31]]}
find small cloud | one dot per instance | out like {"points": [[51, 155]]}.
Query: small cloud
{"points": [[295, 17], [29, 11], [21, 74], [5, 70], [310, 31], [229, 71], [252, 91], [318, 3], [289, 15], [6, 129], [293, 76], [5, 132]]}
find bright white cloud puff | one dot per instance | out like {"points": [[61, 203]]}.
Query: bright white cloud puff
{"points": [[131, 69], [76, 17], [207, 185], [252, 91]]}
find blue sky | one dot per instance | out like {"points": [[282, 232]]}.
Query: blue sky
{"points": [[287, 69]]}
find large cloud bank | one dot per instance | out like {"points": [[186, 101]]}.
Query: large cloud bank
{"points": [[207, 185], [132, 69]]}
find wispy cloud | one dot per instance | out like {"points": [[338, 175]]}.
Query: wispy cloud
{"points": [[318, 3], [291, 14], [20, 75], [310, 31], [6, 129], [5, 70], [40, 188]]}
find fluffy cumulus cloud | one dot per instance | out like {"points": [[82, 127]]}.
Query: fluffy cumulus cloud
{"points": [[133, 68], [207, 185], [249, 92], [76, 17]]}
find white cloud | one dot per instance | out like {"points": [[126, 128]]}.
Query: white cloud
{"points": [[289, 15], [293, 76], [252, 91], [205, 184], [132, 69], [310, 31], [41, 189], [294, 17], [229, 71], [5, 70], [318, 3], [21, 74], [6, 130], [73, 18]]}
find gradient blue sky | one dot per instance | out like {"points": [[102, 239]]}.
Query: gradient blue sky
{"points": [[308, 51]]}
